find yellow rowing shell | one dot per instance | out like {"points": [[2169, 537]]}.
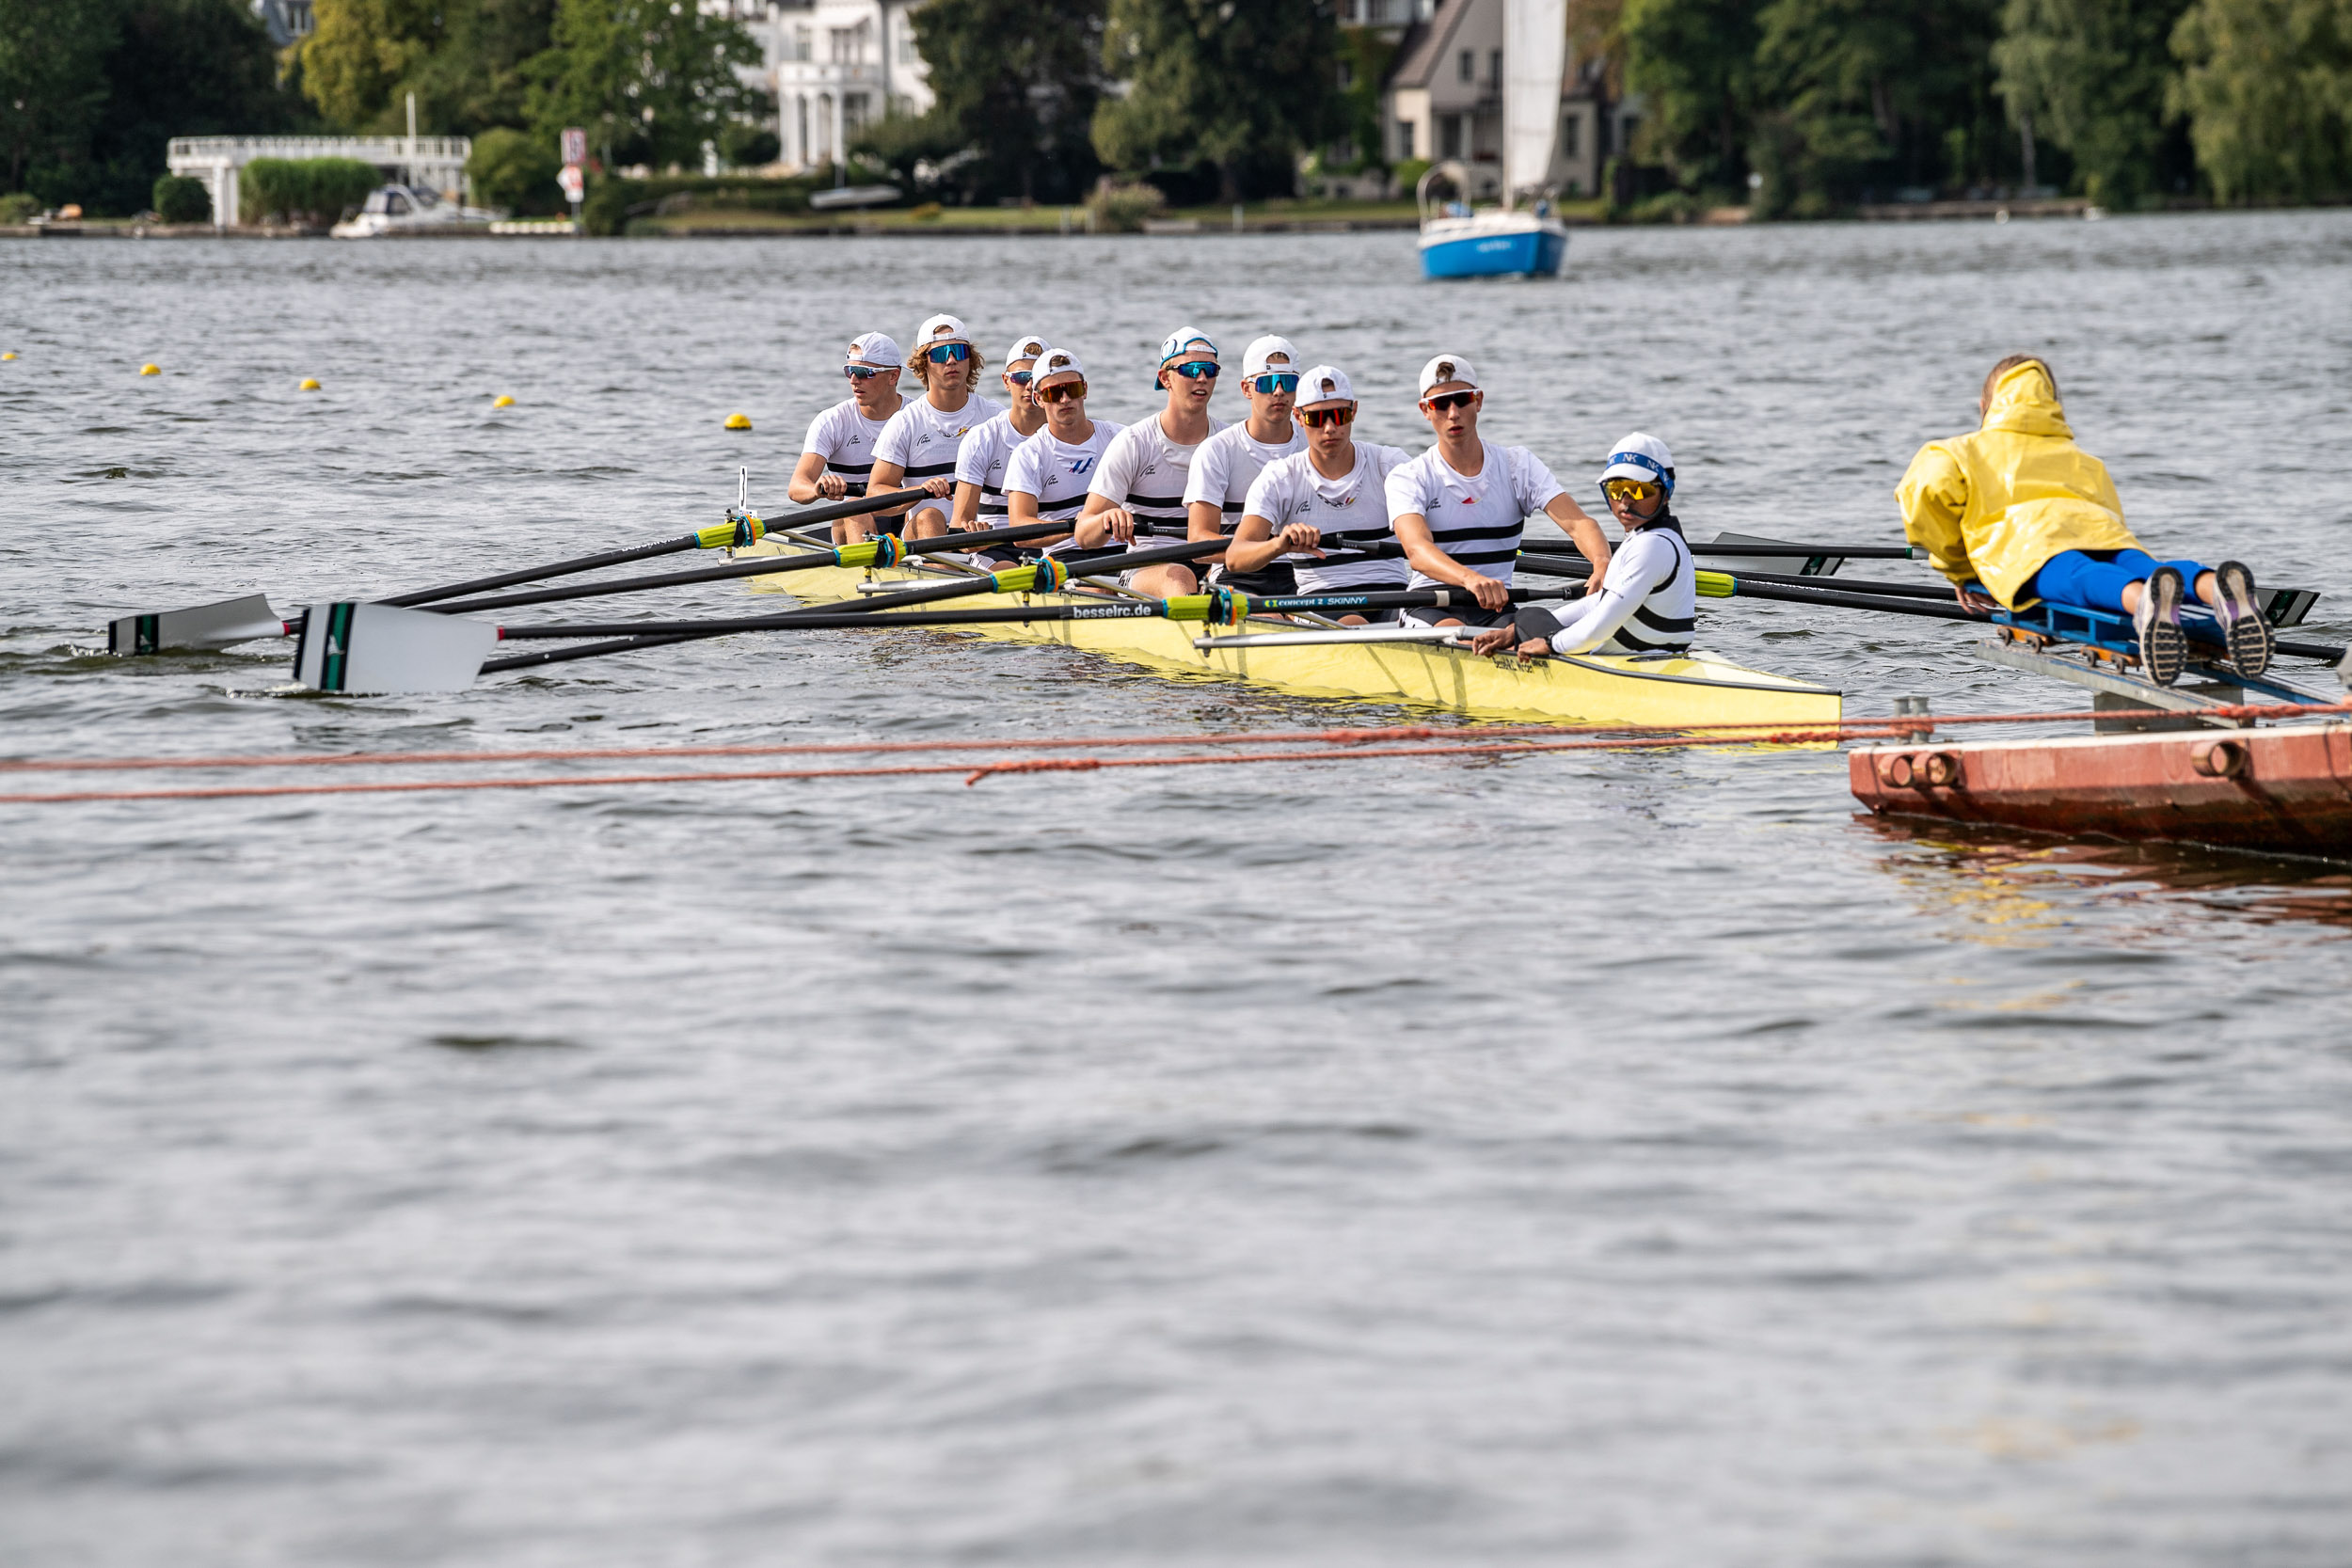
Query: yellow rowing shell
{"points": [[1670, 693]]}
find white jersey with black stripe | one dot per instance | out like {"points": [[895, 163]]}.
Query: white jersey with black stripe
{"points": [[1474, 518], [1146, 472], [1058, 472], [925, 440], [1351, 513], [845, 438], [980, 460], [1226, 464], [1649, 605]]}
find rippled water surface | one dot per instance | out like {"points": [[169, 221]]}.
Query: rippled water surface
{"points": [[1627, 1159]]}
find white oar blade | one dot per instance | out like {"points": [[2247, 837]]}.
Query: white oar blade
{"points": [[207, 625], [378, 649], [1791, 565]]}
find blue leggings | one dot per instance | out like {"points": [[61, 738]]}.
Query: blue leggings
{"points": [[2095, 579]]}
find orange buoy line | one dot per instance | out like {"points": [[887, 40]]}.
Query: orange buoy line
{"points": [[1845, 728]]}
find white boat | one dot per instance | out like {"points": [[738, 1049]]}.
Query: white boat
{"points": [[407, 210], [1456, 242]]}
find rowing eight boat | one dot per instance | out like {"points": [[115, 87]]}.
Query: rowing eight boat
{"points": [[1700, 688]]}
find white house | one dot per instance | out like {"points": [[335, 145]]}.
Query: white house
{"points": [[835, 66], [1445, 100]]}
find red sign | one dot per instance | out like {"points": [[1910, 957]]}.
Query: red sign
{"points": [[575, 145]]}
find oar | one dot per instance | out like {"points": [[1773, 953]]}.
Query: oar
{"points": [[230, 622], [882, 550], [1778, 550]]}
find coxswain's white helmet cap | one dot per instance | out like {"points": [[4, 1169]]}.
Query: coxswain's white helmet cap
{"points": [[1325, 384], [1258, 358], [1446, 368], [1642, 457], [1187, 342], [941, 329], [874, 348], [1025, 348], [1056, 364]]}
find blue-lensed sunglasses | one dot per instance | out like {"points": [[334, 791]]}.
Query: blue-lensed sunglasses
{"points": [[1275, 381], [1019, 378], [948, 354], [1198, 369]]}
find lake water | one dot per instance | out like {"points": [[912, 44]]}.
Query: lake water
{"points": [[1622, 1159]]}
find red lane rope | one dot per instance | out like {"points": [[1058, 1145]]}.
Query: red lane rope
{"points": [[1897, 723], [973, 775]]}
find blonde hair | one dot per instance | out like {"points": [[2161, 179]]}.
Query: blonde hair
{"points": [[973, 363]]}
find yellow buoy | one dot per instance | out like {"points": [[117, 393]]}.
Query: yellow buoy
{"points": [[502, 401], [150, 370], [309, 384], [10, 355], [739, 422]]}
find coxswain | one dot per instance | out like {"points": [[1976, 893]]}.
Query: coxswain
{"points": [[1326, 509], [919, 444], [1229, 462], [2016, 513], [1139, 487], [1459, 508], [981, 461], [1649, 605], [838, 458], [1046, 479]]}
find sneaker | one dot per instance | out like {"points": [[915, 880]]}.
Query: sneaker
{"points": [[2163, 647], [2243, 626]]}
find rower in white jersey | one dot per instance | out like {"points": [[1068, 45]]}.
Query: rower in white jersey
{"points": [[838, 458], [1326, 509], [1140, 488], [1047, 477], [1459, 508], [920, 443], [981, 461], [1650, 605], [1229, 462]]}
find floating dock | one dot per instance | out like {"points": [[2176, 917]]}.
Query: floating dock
{"points": [[2286, 790]]}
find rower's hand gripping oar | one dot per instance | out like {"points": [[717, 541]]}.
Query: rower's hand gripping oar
{"points": [[230, 622]]}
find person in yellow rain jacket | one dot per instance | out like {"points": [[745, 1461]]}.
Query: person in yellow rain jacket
{"points": [[2018, 512]]}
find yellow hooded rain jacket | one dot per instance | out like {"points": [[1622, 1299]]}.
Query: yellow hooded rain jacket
{"points": [[1992, 507]]}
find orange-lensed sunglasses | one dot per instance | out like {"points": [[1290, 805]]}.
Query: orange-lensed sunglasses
{"points": [[1060, 391], [1315, 419]]}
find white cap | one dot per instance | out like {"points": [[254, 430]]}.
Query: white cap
{"points": [[1445, 368], [1325, 384], [1025, 348], [1644, 457], [874, 348], [1182, 342], [941, 329], [1255, 359], [1054, 363]]}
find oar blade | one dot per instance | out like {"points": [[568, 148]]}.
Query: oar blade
{"points": [[382, 650], [1720, 553], [202, 627]]}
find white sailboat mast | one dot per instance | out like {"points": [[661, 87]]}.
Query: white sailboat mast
{"points": [[1534, 61]]}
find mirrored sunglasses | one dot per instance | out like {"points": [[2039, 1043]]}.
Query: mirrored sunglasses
{"points": [[948, 354], [1061, 391], [1449, 402], [1273, 382], [1019, 378], [868, 373], [1315, 419], [1630, 489], [1197, 369]]}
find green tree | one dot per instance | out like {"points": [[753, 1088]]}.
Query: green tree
{"points": [[1016, 84], [650, 80], [464, 59], [515, 169], [360, 50], [1695, 61], [52, 86], [2090, 76], [181, 67], [2268, 88], [1863, 92], [1238, 88]]}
